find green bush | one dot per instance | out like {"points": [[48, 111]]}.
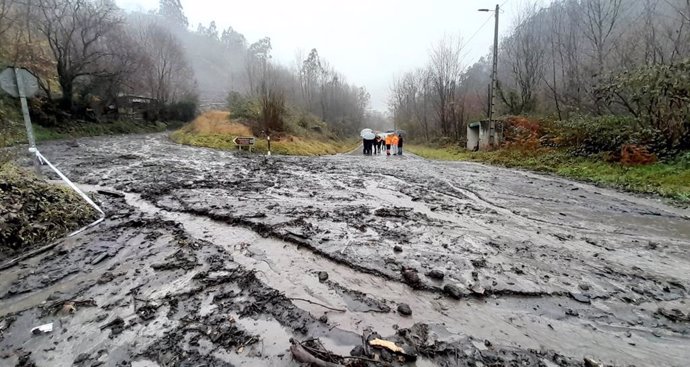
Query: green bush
{"points": [[590, 135], [658, 96], [184, 111], [243, 107]]}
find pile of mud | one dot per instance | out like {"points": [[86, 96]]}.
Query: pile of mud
{"points": [[34, 212]]}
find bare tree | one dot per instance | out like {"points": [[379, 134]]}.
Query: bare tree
{"points": [[77, 32], [166, 72], [523, 53], [445, 68]]}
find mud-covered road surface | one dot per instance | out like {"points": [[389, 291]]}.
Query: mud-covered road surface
{"points": [[216, 259]]}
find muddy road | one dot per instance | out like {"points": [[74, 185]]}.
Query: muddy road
{"points": [[211, 258]]}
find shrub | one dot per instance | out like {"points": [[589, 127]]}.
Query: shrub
{"points": [[602, 134], [658, 96], [521, 132], [636, 155], [179, 111], [243, 107]]}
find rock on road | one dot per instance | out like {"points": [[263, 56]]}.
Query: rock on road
{"points": [[500, 259]]}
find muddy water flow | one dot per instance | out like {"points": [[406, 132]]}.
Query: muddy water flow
{"points": [[510, 321]]}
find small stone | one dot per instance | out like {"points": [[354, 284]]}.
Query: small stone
{"points": [[324, 318], [584, 286], [397, 248], [357, 351], [411, 278], [478, 290], [454, 291], [589, 362], [571, 312], [436, 274], [323, 276], [583, 298], [404, 309]]}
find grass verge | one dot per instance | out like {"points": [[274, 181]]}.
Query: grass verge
{"points": [[667, 179], [215, 130]]}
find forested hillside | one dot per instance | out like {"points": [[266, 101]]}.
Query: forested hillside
{"points": [[91, 57], [592, 75]]}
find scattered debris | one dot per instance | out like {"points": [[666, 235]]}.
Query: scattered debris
{"points": [[116, 326], [300, 353], [100, 257], [42, 329], [673, 314], [323, 276], [115, 194], [318, 304]]}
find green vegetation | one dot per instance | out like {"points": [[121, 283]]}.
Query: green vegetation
{"points": [[214, 129], [34, 212], [668, 179]]}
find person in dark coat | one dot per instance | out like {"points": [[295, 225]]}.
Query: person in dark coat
{"points": [[370, 146], [400, 144]]}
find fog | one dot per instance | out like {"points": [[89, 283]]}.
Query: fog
{"points": [[370, 42]]}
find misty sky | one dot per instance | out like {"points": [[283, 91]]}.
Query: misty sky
{"points": [[369, 41]]}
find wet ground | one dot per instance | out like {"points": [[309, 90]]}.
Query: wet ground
{"points": [[212, 258]]}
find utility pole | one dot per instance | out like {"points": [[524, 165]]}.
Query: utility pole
{"points": [[494, 86]]}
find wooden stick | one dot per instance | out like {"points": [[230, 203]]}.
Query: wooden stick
{"points": [[318, 304]]}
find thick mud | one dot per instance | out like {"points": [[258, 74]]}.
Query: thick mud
{"points": [[212, 258]]}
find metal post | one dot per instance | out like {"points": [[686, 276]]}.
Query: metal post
{"points": [[27, 120], [494, 86]]}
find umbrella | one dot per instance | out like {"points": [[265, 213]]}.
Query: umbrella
{"points": [[366, 132], [368, 135]]}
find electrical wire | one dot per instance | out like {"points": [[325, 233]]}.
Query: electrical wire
{"points": [[479, 29]]}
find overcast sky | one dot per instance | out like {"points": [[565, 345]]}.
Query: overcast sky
{"points": [[369, 41]]}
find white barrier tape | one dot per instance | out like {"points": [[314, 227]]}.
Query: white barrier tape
{"points": [[80, 230], [74, 187]]}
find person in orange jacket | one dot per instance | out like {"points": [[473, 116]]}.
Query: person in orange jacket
{"points": [[394, 143], [389, 141]]}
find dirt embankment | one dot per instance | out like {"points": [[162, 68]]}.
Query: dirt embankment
{"points": [[34, 212]]}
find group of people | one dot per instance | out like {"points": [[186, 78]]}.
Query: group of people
{"points": [[392, 142]]}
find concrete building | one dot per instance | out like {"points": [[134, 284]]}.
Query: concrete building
{"points": [[478, 135]]}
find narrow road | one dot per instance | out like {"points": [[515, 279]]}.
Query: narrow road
{"points": [[498, 262]]}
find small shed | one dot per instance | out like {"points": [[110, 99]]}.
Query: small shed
{"points": [[478, 135], [134, 107]]}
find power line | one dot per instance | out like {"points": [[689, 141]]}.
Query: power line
{"points": [[479, 29]]}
